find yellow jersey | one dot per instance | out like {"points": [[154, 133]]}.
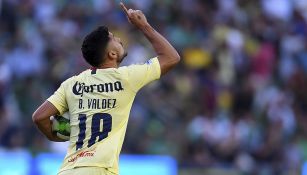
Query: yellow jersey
{"points": [[99, 102]]}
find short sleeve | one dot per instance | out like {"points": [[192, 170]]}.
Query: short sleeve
{"points": [[58, 99], [142, 74]]}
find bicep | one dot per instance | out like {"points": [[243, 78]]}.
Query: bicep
{"points": [[43, 112], [58, 99], [166, 64]]}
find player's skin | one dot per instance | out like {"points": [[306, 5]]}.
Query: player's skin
{"points": [[167, 55]]}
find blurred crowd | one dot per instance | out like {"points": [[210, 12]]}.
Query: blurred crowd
{"points": [[237, 100]]}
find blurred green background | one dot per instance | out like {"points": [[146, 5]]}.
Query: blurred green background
{"points": [[237, 103]]}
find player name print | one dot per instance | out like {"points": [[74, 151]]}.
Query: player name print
{"points": [[81, 88]]}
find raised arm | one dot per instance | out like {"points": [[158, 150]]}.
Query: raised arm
{"points": [[167, 55]]}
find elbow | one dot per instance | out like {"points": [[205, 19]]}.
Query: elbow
{"points": [[172, 58], [176, 58], [35, 118]]}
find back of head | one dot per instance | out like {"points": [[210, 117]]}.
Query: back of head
{"points": [[94, 46]]}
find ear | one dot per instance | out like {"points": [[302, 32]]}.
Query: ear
{"points": [[112, 54]]}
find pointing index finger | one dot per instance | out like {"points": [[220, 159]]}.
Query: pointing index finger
{"points": [[123, 8]]}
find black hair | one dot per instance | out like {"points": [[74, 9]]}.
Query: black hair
{"points": [[94, 45]]}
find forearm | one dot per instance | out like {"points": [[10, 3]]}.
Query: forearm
{"points": [[41, 118], [45, 127], [160, 44]]}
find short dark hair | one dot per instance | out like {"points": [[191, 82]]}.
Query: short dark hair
{"points": [[94, 45]]}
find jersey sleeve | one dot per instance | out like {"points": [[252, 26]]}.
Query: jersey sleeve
{"points": [[58, 99], [142, 74]]}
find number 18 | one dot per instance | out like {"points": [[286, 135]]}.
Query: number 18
{"points": [[95, 128]]}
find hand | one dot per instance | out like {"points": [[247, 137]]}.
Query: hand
{"points": [[135, 17]]}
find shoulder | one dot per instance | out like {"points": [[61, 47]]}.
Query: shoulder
{"points": [[151, 64], [75, 78], [129, 68]]}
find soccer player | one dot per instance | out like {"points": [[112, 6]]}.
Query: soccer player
{"points": [[99, 99]]}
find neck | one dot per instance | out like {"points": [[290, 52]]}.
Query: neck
{"points": [[108, 65]]}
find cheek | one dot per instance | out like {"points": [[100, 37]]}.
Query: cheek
{"points": [[121, 50]]}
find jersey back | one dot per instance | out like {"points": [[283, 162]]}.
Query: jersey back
{"points": [[99, 102]]}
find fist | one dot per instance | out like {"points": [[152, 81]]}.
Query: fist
{"points": [[135, 17]]}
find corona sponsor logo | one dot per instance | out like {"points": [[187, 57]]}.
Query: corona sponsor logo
{"points": [[80, 88]]}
